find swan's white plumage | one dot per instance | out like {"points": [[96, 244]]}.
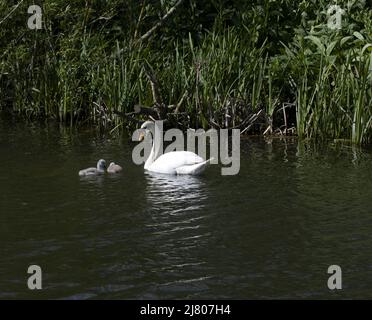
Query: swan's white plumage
{"points": [[175, 162], [193, 169], [171, 161]]}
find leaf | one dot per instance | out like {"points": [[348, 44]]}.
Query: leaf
{"points": [[330, 47], [358, 35], [318, 43], [368, 45], [288, 51], [345, 39]]}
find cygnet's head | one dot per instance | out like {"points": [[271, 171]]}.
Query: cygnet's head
{"points": [[101, 164]]}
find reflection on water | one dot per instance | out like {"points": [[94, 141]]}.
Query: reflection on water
{"points": [[185, 192], [270, 232], [178, 222]]}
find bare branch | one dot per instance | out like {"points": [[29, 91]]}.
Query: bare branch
{"points": [[171, 11], [11, 11], [252, 120], [155, 87], [128, 116], [177, 106], [180, 103], [138, 109]]}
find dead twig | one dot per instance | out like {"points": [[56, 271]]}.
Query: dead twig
{"points": [[138, 109], [11, 11], [177, 106], [252, 120], [155, 87], [171, 11]]}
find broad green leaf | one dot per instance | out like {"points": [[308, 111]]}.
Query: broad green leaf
{"points": [[367, 46], [345, 39], [318, 43], [330, 47], [358, 35]]}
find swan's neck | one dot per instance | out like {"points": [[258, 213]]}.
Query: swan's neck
{"points": [[150, 160], [156, 149]]}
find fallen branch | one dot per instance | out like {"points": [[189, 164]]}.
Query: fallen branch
{"points": [[129, 116], [138, 109]]}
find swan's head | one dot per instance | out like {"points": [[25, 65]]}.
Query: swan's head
{"points": [[148, 126], [101, 164]]}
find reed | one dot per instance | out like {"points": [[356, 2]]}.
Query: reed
{"points": [[230, 65]]}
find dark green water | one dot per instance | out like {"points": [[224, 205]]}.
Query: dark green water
{"points": [[270, 232]]}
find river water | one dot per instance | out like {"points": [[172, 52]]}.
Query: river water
{"points": [[271, 231]]}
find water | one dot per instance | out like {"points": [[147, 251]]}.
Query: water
{"points": [[270, 232]]}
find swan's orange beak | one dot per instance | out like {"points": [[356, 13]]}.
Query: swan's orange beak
{"points": [[141, 136]]}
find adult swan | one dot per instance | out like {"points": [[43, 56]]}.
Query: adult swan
{"points": [[175, 162]]}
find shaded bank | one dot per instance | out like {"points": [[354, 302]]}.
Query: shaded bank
{"points": [[264, 67]]}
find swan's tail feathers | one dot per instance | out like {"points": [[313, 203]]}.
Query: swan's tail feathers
{"points": [[194, 169], [209, 160]]}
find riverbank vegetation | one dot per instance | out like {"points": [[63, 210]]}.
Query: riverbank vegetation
{"points": [[264, 66]]}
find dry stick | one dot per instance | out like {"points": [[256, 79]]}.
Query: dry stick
{"points": [[155, 88], [197, 102], [128, 116], [11, 12], [138, 109], [161, 21], [180, 103], [214, 123], [177, 106], [267, 130], [285, 118], [233, 114], [252, 120], [227, 116], [247, 120], [285, 106]]}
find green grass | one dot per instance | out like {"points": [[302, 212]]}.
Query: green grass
{"points": [[87, 63]]}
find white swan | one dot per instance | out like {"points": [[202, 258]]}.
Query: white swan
{"points": [[101, 166], [175, 162]]}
